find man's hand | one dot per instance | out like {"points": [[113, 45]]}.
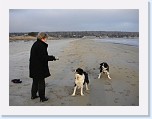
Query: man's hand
{"points": [[56, 58]]}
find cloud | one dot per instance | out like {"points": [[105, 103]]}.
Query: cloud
{"points": [[73, 20]]}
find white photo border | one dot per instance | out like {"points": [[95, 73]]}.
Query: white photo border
{"points": [[142, 109]]}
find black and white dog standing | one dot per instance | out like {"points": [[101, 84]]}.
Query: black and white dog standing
{"points": [[104, 68], [81, 78]]}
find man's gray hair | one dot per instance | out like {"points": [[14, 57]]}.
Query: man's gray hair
{"points": [[42, 35]]}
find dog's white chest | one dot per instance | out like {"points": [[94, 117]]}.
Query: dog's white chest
{"points": [[79, 80]]}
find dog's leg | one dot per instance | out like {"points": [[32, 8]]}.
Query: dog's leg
{"points": [[99, 76], [86, 86], [108, 75], [82, 91], [74, 91]]}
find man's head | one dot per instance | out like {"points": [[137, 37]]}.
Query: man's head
{"points": [[42, 36]]}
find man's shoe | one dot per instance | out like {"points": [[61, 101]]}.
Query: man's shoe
{"points": [[34, 97], [43, 99]]}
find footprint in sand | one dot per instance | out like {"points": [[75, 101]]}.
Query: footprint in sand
{"points": [[133, 84], [110, 89], [89, 104], [120, 93], [128, 81], [62, 103], [127, 92], [107, 83], [19, 87], [116, 100], [126, 52], [120, 68]]}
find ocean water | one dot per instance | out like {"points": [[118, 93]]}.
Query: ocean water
{"points": [[124, 41]]}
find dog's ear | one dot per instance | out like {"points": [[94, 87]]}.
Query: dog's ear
{"points": [[101, 63]]}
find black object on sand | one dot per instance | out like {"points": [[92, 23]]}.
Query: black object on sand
{"points": [[16, 81]]}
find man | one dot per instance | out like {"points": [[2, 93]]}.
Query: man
{"points": [[38, 66]]}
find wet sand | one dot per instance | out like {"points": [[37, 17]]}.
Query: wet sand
{"points": [[121, 90]]}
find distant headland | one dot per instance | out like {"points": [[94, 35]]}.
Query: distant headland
{"points": [[75, 34]]}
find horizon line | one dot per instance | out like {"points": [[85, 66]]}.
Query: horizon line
{"points": [[76, 31]]}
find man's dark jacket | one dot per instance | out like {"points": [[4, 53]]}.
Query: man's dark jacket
{"points": [[38, 67]]}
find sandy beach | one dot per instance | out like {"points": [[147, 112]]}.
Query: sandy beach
{"points": [[121, 90]]}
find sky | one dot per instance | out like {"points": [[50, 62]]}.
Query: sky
{"points": [[52, 20]]}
